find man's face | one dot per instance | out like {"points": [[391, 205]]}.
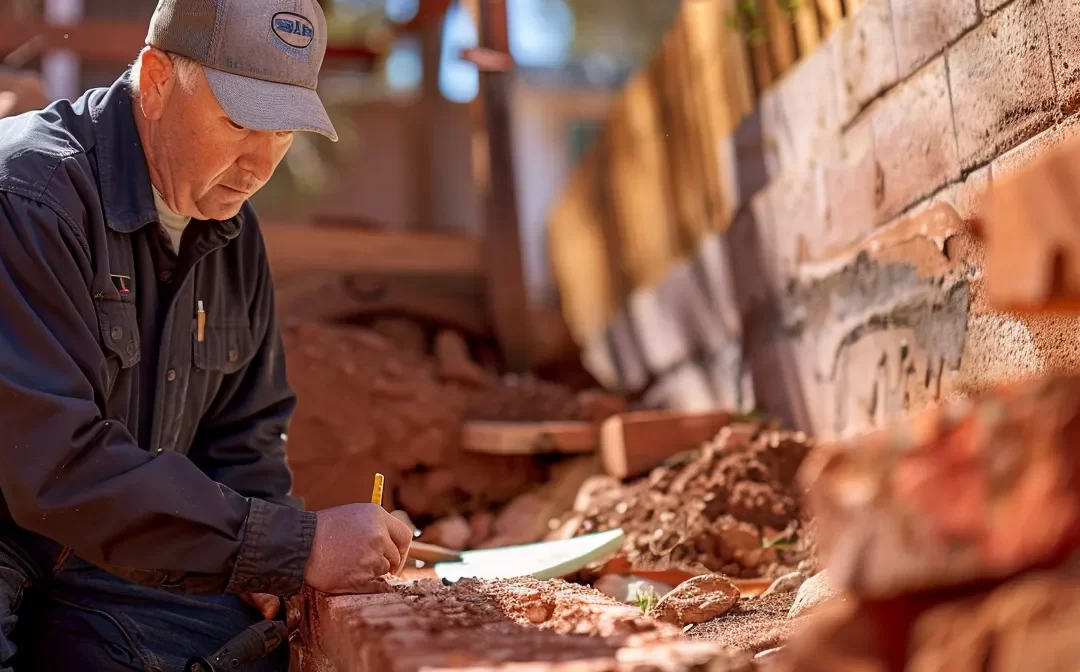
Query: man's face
{"points": [[208, 166]]}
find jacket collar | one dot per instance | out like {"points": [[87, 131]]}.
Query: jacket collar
{"points": [[123, 176], [126, 190]]}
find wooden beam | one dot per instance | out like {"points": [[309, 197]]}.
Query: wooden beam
{"points": [[529, 438], [508, 299], [294, 249]]}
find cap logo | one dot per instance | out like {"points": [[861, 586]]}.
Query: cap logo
{"points": [[293, 29]]}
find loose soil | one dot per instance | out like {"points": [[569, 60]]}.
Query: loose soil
{"points": [[368, 404], [754, 625], [731, 507]]}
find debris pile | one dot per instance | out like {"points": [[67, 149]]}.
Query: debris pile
{"points": [[368, 404], [731, 507], [955, 534]]}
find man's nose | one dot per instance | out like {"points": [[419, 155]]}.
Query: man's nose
{"points": [[259, 157]]}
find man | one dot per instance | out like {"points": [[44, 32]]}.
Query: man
{"points": [[143, 397]]}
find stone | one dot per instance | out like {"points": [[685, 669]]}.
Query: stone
{"points": [[453, 533], [970, 194], [814, 592], [1064, 32], [787, 583], [915, 157], [923, 28], [481, 524], [406, 335], [865, 58], [455, 364], [697, 600], [797, 217], [1002, 83]]}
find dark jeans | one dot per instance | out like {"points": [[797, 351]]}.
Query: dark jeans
{"points": [[83, 618]]}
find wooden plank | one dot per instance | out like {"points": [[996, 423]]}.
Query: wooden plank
{"points": [[581, 263], [631, 444], [781, 37], [807, 32], [832, 13], [763, 68], [508, 299], [638, 186], [295, 249], [737, 70], [529, 438], [853, 6]]}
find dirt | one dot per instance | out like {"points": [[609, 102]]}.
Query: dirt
{"points": [[731, 507], [367, 405], [754, 625]]}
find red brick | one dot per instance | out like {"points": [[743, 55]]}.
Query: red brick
{"points": [[1002, 82], [924, 27], [808, 95], [663, 342], [914, 140], [1064, 25], [1022, 156], [850, 177], [865, 57]]}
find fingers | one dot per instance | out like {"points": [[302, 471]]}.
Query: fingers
{"points": [[393, 556], [400, 534], [268, 605]]}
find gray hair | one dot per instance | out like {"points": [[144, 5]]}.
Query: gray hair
{"points": [[185, 69]]}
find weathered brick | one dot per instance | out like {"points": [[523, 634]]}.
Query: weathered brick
{"points": [[914, 141], [633, 375], [924, 27], [1002, 82], [969, 194], [850, 177], [1022, 156], [797, 217], [808, 95], [1061, 19], [682, 294], [663, 342], [865, 58], [684, 389], [991, 6], [713, 260], [777, 144]]}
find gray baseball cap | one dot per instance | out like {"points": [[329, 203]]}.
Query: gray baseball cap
{"points": [[261, 57]]}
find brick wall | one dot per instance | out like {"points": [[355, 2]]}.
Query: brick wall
{"points": [[848, 289]]}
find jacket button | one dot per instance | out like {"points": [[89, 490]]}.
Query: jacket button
{"points": [[233, 355], [171, 375], [117, 333]]}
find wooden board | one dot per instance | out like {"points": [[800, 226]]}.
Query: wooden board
{"points": [[530, 438], [631, 444], [781, 42], [807, 33], [303, 249], [832, 13]]}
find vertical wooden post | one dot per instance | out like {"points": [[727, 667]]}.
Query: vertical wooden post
{"points": [[507, 296]]}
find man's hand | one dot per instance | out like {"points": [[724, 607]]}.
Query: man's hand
{"points": [[268, 605], [354, 545]]}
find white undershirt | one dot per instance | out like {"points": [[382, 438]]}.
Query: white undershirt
{"points": [[173, 223]]}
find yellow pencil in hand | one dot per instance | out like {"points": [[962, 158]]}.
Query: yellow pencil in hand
{"points": [[377, 490]]}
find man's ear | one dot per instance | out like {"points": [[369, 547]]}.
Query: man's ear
{"points": [[156, 83]]}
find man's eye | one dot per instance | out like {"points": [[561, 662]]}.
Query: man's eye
{"points": [[235, 125]]}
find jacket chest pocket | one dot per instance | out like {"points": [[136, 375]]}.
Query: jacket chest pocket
{"points": [[225, 347], [119, 331]]}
